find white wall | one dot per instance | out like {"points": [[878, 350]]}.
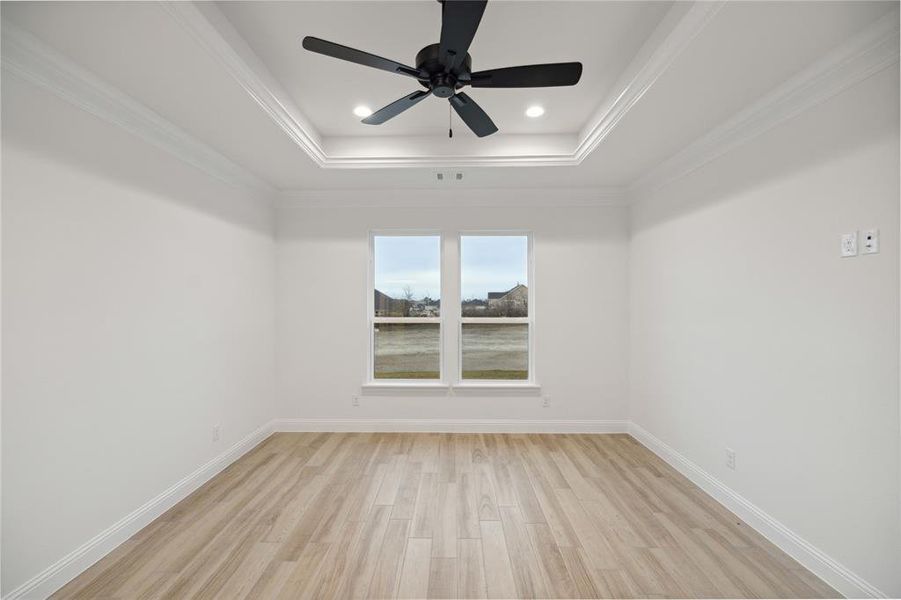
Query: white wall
{"points": [[748, 331], [138, 301], [580, 256]]}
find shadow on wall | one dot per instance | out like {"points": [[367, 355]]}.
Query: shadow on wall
{"points": [[796, 145], [38, 123]]}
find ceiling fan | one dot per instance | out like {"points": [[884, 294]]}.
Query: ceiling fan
{"points": [[444, 68]]}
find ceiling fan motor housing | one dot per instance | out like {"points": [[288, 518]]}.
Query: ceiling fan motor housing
{"points": [[444, 68], [441, 82]]}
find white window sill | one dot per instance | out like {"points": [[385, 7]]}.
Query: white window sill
{"points": [[412, 385], [501, 387], [498, 388]]}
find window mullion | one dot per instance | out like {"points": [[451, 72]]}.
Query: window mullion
{"points": [[496, 320], [411, 320]]}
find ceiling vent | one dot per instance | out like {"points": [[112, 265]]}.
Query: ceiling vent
{"points": [[448, 176]]}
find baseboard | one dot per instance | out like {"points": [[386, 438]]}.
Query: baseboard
{"points": [[812, 558], [453, 425], [76, 562], [831, 571]]}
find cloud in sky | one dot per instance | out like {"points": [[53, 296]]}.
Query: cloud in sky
{"points": [[489, 264]]}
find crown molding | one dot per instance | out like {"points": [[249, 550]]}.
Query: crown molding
{"points": [[35, 62], [500, 150], [867, 53], [679, 27], [450, 196], [213, 32]]}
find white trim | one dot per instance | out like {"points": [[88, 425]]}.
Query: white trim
{"points": [[528, 320], [212, 30], [867, 53], [30, 59], [677, 30], [432, 388], [812, 558], [70, 566], [456, 198], [496, 320], [408, 385], [369, 379], [216, 35], [452, 425], [496, 385], [408, 320]]}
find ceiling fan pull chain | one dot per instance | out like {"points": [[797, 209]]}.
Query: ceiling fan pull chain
{"points": [[446, 67]]}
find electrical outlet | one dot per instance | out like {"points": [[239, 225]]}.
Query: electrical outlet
{"points": [[545, 401], [870, 241], [730, 458], [217, 431], [355, 401], [849, 244]]}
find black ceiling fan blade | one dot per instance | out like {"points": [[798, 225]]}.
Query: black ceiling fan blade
{"points": [[459, 21], [366, 59], [549, 75], [395, 108], [472, 114]]}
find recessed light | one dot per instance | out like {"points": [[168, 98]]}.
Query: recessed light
{"points": [[534, 111], [364, 111]]}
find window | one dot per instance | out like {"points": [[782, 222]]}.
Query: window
{"points": [[491, 338], [406, 307], [495, 321]]}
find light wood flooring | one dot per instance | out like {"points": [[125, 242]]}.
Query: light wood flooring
{"points": [[421, 515]]}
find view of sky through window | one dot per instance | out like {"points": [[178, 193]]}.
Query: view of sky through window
{"points": [[493, 263], [408, 264]]}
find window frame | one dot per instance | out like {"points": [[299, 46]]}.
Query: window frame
{"points": [[372, 320], [528, 320]]}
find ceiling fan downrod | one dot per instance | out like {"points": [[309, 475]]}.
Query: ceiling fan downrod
{"points": [[443, 69]]}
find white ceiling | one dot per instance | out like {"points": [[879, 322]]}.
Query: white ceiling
{"points": [[603, 36], [745, 50]]}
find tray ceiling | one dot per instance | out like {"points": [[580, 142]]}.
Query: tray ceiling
{"points": [[658, 76]]}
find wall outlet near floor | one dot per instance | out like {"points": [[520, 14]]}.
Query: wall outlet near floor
{"points": [[730, 458], [849, 244], [217, 432], [545, 401], [870, 241], [355, 401]]}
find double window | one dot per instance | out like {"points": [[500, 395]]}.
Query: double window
{"points": [[482, 336]]}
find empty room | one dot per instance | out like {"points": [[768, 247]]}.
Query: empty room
{"points": [[450, 299]]}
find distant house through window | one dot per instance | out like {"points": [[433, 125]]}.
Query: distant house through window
{"points": [[512, 303], [494, 316], [491, 340]]}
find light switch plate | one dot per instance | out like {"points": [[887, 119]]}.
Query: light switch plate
{"points": [[870, 241], [849, 244]]}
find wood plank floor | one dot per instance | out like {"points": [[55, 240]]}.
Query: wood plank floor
{"points": [[420, 515]]}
